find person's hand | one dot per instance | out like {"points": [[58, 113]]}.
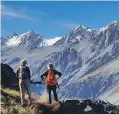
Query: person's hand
{"points": [[31, 81], [43, 81]]}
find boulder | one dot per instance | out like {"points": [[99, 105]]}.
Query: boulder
{"points": [[8, 77]]}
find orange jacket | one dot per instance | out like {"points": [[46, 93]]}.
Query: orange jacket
{"points": [[50, 77]]}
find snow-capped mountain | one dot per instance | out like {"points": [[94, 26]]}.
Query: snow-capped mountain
{"points": [[30, 40], [87, 58], [78, 34]]}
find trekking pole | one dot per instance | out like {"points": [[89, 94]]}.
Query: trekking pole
{"points": [[58, 86]]}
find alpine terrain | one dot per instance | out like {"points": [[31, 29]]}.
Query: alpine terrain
{"points": [[87, 58]]}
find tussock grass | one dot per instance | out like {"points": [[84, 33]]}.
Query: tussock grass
{"points": [[12, 92], [11, 103], [2, 98], [15, 110]]}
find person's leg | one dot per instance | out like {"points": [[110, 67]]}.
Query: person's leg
{"points": [[49, 94], [22, 91], [27, 87], [55, 93]]}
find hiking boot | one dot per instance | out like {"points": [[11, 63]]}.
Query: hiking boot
{"points": [[29, 103]]}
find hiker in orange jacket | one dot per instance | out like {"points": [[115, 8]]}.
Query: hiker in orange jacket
{"points": [[51, 81]]}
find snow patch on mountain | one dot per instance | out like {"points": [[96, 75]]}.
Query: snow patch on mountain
{"points": [[50, 42], [112, 95], [15, 41]]}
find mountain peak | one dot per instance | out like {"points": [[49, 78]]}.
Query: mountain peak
{"points": [[115, 22], [82, 27], [110, 25], [30, 32], [12, 35]]}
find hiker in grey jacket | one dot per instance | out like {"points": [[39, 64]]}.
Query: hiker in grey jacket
{"points": [[23, 75]]}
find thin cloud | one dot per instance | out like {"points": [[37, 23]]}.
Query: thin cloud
{"points": [[69, 25], [10, 12], [65, 24]]}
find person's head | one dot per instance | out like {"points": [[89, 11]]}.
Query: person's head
{"points": [[50, 66], [23, 62]]}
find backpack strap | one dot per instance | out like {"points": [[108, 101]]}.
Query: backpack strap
{"points": [[23, 72]]}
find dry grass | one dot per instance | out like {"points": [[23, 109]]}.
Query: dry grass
{"points": [[10, 106]]}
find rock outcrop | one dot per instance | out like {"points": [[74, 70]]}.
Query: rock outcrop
{"points": [[82, 106], [8, 77]]}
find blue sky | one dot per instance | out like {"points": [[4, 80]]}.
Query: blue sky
{"points": [[53, 19]]}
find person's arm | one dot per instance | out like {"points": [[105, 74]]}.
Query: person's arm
{"points": [[29, 74], [57, 73], [17, 73], [44, 74]]}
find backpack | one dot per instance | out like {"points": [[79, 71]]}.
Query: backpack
{"points": [[50, 78], [23, 72]]}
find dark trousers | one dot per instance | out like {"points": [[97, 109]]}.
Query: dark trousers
{"points": [[51, 88]]}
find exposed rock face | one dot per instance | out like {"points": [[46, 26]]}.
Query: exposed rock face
{"points": [[85, 106], [8, 77], [94, 106]]}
